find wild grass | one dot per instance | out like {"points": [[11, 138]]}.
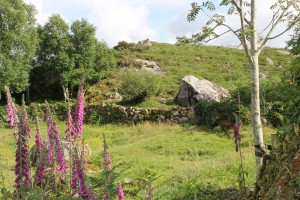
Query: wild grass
{"points": [[227, 67], [171, 156]]}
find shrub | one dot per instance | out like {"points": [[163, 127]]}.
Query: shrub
{"points": [[273, 112], [123, 45], [211, 113], [139, 84]]}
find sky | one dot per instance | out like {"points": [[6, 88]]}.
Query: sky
{"points": [[135, 20]]}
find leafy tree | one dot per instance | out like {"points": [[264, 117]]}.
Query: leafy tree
{"points": [[105, 62], [294, 44], [53, 62], [18, 40], [83, 52], [253, 43]]}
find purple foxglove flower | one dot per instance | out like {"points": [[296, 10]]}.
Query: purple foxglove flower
{"points": [[236, 134], [59, 152], [40, 171], [22, 170], [150, 194], [54, 145], [10, 113], [38, 137], [11, 109], [106, 156], [79, 110], [74, 180], [50, 153], [120, 192], [70, 131]]}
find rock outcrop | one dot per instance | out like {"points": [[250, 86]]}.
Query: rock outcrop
{"points": [[150, 66], [192, 90]]}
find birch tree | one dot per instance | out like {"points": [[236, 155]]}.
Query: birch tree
{"points": [[252, 40]]}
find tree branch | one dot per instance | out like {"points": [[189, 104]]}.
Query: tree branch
{"points": [[274, 26], [243, 38], [288, 28], [271, 22], [240, 10], [217, 36]]}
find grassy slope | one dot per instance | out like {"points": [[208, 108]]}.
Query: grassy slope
{"points": [[225, 66], [176, 155]]}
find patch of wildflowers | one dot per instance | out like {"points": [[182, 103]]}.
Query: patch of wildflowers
{"points": [[120, 192], [22, 170]]}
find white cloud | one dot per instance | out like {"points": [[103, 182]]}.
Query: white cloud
{"points": [[129, 20], [42, 16], [180, 27], [116, 20]]}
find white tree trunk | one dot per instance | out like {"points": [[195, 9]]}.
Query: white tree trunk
{"points": [[255, 114], [255, 100]]}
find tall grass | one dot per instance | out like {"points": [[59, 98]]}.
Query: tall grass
{"points": [[171, 157]]}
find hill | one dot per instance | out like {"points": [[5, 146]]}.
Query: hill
{"points": [[225, 66]]}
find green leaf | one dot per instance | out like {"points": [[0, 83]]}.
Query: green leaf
{"points": [[3, 191]]}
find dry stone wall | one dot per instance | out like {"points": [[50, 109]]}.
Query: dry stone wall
{"points": [[109, 113]]}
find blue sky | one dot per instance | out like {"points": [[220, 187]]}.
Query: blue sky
{"points": [[135, 20]]}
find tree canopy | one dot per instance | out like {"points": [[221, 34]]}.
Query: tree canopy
{"points": [[18, 38], [66, 54]]}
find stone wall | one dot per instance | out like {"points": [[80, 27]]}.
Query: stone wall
{"points": [[108, 113]]}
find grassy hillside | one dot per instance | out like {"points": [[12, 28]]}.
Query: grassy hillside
{"points": [[181, 161], [225, 66]]}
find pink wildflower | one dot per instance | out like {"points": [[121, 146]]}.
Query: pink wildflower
{"points": [[71, 131], [40, 171], [38, 137], [79, 110], [120, 192], [74, 179], [11, 109], [54, 145], [150, 194], [236, 134], [83, 190], [106, 156], [22, 170]]}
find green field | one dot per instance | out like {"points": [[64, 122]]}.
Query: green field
{"points": [[180, 160]]}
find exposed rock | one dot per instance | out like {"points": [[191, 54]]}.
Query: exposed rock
{"points": [[161, 99], [197, 58], [284, 52], [131, 115], [115, 95], [65, 145], [193, 90], [191, 113], [263, 75], [183, 119], [269, 61], [149, 66], [146, 43]]}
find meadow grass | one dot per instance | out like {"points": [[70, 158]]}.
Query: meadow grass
{"points": [[227, 67], [171, 156]]}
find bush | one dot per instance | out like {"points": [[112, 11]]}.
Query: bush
{"points": [[211, 113], [139, 84], [122, 45], [273, 112]]}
